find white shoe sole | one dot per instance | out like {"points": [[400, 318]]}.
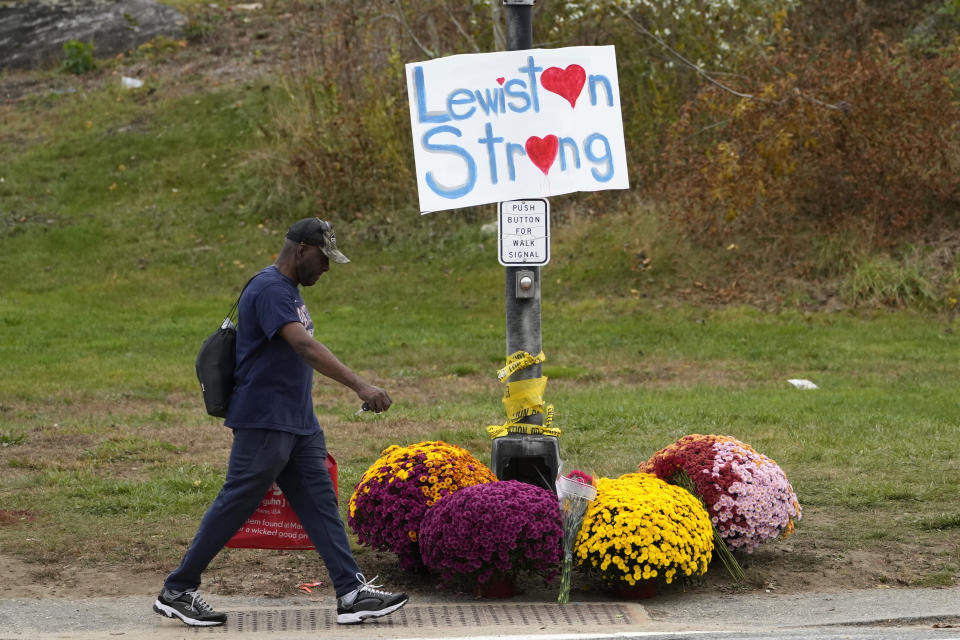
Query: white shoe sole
{"points": [[359, 616], [170, 612]]}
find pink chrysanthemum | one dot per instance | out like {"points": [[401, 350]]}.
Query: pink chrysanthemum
{"points": [[746, 493]]}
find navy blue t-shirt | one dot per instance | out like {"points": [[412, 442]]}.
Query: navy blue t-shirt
{"points": [[274, 384]]}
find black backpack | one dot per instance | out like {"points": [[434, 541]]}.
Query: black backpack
{"points": [[216, 362]]}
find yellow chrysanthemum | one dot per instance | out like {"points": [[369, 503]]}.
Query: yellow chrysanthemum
{"points": [[640, 527]]}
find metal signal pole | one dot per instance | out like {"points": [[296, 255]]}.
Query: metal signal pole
{"points": [[534, 459], [523, 314]]}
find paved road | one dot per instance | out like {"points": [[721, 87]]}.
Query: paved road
{"points": [[903, 614]]}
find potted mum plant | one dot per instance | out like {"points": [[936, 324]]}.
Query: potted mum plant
{"points": [[393, 495], [640, 529], [484, 535], [747, 494]]}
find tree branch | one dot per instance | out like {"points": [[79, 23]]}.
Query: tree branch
{"points": [[402, 21], [840, 106], [496, 21], [682, 59], [460, 28]]}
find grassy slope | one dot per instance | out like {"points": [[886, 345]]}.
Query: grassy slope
{"points": [[132, 219]]}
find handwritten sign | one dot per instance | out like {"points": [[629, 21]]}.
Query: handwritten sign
{"points": [[491, 127]]}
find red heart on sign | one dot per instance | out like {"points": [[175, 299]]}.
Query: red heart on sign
{"points": [[567, 83], [500, 81], [542, 151]]}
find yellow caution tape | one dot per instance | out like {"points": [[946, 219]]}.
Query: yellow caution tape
{"points": [[524, 398], [499, 430], [517, 361]]}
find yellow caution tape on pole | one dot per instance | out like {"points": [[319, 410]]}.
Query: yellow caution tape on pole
{"points": [[524, 398], [548, 419], [517, 361], [499, 430]]}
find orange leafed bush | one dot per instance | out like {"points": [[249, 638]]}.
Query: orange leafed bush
{"points": [[829, 140]]}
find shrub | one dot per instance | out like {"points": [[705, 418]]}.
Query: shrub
{"points": [[834, 141], [78, 57], [342, 132], [883, 280]]}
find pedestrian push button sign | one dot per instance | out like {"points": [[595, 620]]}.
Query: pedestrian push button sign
{"points": [[524, 232]]}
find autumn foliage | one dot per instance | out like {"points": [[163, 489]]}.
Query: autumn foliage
{"points": [[827, 139], [820, 136]]}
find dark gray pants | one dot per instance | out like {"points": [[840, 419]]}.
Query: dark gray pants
{"points": [[297, 463]]}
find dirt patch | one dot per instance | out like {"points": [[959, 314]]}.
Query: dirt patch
{"points": [[793, 568], [62, 436], [808, 561], [68, 580], [16, 516]]}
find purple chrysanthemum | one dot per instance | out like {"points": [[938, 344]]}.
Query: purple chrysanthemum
{"points": [[489, 529]]}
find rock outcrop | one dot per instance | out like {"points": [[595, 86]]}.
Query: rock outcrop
{"points": [[32, 34]]}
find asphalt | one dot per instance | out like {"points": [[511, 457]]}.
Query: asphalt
{"points": [[459, 617]]}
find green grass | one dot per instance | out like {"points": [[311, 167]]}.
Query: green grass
{"points": [[945, 521], [134, 219], [884, 280]]}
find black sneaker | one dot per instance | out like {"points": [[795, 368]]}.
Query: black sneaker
{"points": [[189, 607], [367, 602]]}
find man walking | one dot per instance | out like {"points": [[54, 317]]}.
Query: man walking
{"points": [[276, 436]]}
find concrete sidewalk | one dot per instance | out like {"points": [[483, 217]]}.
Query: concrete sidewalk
{"points": [[442, 616]]}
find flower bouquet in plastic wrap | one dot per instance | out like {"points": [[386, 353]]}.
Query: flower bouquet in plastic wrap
{"points": [[488, 532], [747, 494], [641, 529], [393, 495], [576, 491]]}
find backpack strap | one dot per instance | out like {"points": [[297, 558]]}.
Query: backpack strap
{"points": [[234, 314]]}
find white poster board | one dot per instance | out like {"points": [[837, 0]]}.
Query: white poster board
{"points": [[491, 127]]}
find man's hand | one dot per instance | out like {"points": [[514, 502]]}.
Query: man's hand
{"points": [[375, 397]]}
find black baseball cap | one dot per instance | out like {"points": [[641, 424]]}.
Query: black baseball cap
{"points": [[318, 233]]}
